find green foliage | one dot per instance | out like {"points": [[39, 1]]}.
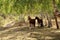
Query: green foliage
{"points": [[25, 6]]}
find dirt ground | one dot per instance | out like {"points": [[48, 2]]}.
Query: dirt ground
{"points": [[25, 33]]}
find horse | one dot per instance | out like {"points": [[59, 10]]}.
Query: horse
{"points": [[31, 21], [40, 21]]}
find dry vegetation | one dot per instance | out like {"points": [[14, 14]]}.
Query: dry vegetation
{"points": [[19, 30], [14, 24]]}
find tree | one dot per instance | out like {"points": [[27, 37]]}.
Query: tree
{"points": [[49, 21], [55, 12]]}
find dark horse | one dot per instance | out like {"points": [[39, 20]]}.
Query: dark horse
{"points": [[31, 21], [40, 21]]}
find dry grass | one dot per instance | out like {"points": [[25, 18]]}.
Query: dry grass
{"points": [[24, 33], [21, 31]]}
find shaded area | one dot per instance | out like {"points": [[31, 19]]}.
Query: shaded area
{"points": [[35, 33]]}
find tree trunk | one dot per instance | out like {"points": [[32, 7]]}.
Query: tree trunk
{"points": [[49, 22], [56, 21], [54, 5]]}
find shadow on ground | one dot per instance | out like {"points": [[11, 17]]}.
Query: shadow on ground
{"points": [[37, 33]]}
